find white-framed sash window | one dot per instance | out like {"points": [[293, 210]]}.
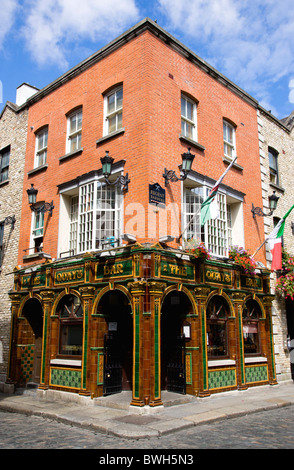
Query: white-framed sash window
{"points": [[74, 130], [41, 147], [229, 135], [188, 118], [113, 110]]}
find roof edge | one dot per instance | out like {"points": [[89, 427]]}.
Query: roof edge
{"points": [[131, 33]]}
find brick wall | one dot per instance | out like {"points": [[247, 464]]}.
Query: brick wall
{"points": [[13, 130]]}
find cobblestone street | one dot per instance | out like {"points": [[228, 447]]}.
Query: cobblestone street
{"points": [[264, 430]]}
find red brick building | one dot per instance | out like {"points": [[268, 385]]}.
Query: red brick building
{"points": [[82, 285]]}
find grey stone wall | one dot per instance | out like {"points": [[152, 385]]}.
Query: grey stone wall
{"points": [[13, 130], [273, 133]]}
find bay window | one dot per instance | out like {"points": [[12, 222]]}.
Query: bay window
{"points": [[221, 233], [90, 217]]}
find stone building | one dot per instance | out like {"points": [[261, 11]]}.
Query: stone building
{"points": [[109, 293], [276, 139], [13, 137]]}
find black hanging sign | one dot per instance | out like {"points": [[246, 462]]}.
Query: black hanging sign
{"points": [[156, 194]]}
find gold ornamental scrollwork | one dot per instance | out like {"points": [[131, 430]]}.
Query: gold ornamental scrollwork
{"points": [[87, 291], [202, 292], [15, 298], [268, 300], [47, 295], [137, 287], [238, 296], [156, 288]]}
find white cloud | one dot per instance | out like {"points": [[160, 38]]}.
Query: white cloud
{"points": [[51, 28], [7, 11], [250, 42]]}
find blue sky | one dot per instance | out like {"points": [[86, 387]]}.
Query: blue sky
{"points": [[250, 42]]}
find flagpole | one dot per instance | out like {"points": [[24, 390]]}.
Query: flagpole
{"points": [[256, 251]]}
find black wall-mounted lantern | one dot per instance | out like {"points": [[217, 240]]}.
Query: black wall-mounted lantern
{"points": [[46, 206], [107, 162], [170, 175], [10, 220], [273, 201]]}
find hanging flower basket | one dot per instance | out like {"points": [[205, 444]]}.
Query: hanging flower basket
{"points": [[285, 282], [197, 249], [285, 286], [287, 261], [242, 258]]}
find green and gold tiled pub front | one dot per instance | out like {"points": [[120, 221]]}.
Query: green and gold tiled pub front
{"points": [[220, 317]]}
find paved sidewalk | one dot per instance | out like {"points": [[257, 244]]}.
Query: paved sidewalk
{"points": [[114, 416]]}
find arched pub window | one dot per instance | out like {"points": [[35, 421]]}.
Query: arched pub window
{"points": [[70, 312], [251, 330], [217, 313]]}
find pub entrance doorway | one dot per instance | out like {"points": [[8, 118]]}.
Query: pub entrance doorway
{"points": [[118, 342], [33, 313], [174, 311]]}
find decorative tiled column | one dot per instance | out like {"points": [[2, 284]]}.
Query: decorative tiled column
{"points": [[138, 290], [48, 298], [87, 294], [238, 299], [11, 370], [267, 302], [201, 294], [156, 290]]}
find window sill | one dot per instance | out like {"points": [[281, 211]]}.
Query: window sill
{"points": [[251, 360], [39, 255], [110, 136], [66, 362], [70, 154], [221, 362], [191, 142], [277, 187], [235, 165], [39, 168], [3, 183]]}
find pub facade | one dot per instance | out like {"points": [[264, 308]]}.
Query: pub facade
{"points": [[142, 319], [109, 293]]}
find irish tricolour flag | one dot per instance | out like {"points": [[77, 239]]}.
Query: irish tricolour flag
{"points": [[274, 241], [209, 208]]}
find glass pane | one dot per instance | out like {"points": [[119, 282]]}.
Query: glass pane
{"points": [[73, 124], [71, 339], [189, 110], [189, 130], [79, 120], [119, 99], [251, 338], [112, 124], [119, 121], [183, 107], [216, 339], [111, 103]]}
